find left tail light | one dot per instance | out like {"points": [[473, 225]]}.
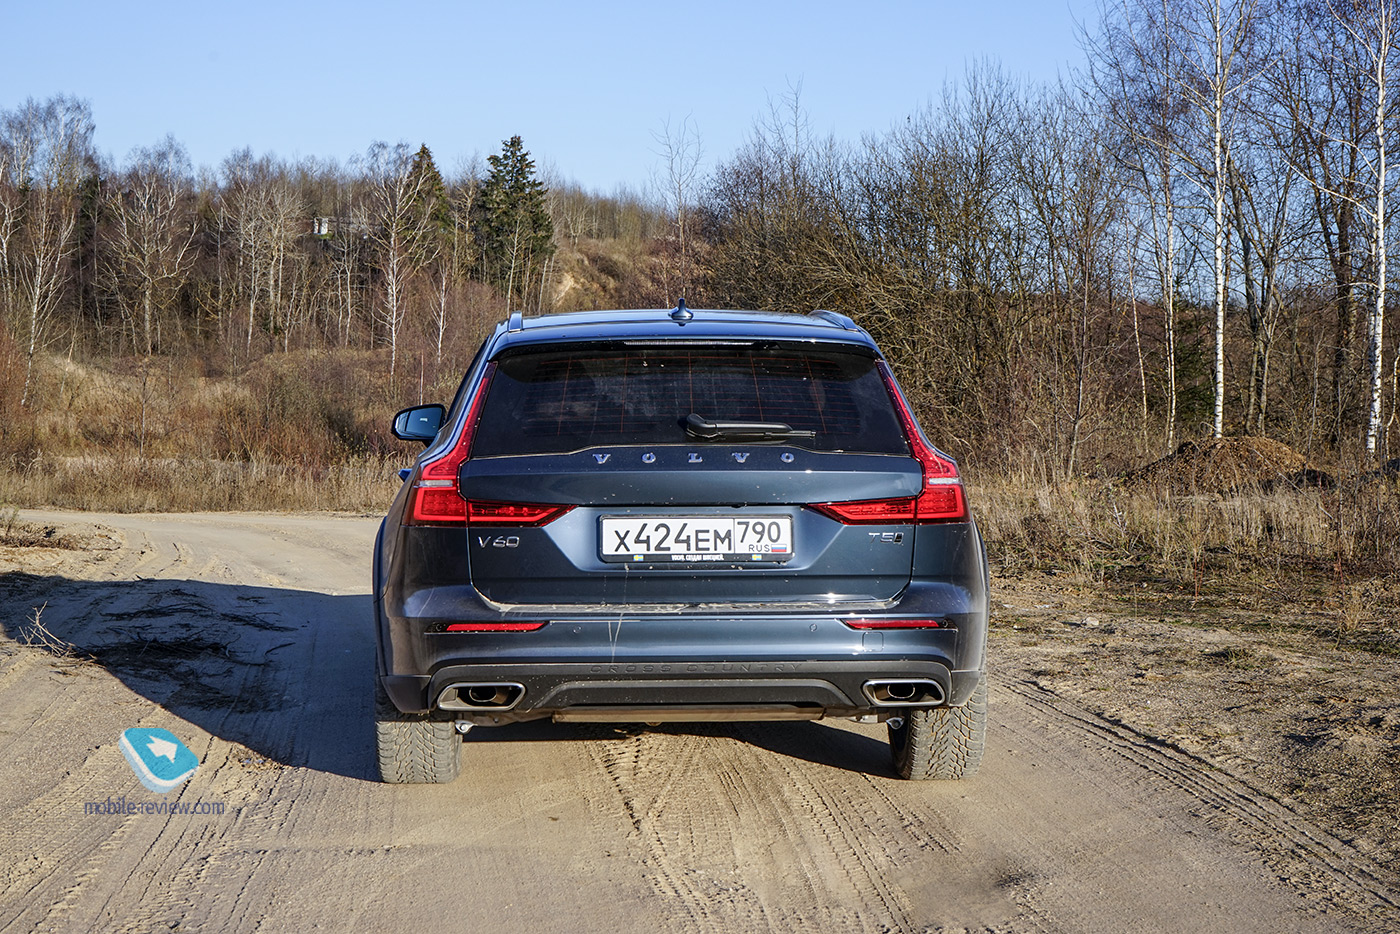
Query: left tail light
{"points": [[435, 497]]}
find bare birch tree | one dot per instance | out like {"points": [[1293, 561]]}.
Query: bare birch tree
{"points": [[1335, 104], [1371, 25], [680, 151], [1133, 69], [50, 145], [11, 207], [399, 229], [1214, 78], [263, 216], [149, 249]]}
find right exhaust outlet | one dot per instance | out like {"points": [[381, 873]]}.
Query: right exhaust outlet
{"points": [[904, 692]]}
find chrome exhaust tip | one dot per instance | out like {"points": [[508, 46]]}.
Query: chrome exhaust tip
{"points": [[904, 692], [481, 696]]}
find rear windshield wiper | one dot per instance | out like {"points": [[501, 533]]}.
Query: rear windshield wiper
{"points": [[706, 430]]}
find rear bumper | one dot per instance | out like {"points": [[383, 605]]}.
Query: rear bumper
{"points": [[688, 690], [701, 661]]}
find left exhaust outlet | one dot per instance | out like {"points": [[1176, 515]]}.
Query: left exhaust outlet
{"points": [[493, 695]]}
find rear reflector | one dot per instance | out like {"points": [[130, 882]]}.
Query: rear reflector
{"points": [[894, 623], [494, 627]]}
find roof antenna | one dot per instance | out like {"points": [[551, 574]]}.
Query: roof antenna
{"points": [[682, 313]]}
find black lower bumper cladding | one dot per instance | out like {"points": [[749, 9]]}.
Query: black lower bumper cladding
{"points": [[735, 690]]}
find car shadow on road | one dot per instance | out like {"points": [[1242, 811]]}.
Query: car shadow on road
{"points": [[820, 743], [285, 674]]}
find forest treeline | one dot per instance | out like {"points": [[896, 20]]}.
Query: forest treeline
{"points": [[1185, 237]]}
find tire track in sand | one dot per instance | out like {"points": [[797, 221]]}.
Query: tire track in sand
{"points": [[1300, 852]]}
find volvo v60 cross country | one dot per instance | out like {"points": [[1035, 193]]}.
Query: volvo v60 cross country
{"points": [[678, 515]]}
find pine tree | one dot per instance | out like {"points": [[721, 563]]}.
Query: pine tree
{"points": [[517, 235]]}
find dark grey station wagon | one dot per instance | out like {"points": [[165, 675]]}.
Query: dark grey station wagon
{"points": [[678, 515]]}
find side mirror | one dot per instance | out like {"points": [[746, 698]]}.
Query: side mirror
{"points": [[420, 423]]}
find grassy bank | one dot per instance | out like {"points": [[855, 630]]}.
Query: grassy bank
{"points": [[126, 482], [309, 431]]}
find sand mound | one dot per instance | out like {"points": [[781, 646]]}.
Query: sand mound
{"points": [[1229, 465]]}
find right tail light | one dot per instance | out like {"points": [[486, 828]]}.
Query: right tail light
{"points": [[941, 497]]}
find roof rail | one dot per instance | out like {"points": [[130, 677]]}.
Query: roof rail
{"points": [[836, 318], [517, 321]]}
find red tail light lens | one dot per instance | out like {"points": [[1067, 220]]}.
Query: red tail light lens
{"points": [[432, 504], [528, 514], [434, 499], [942, 498], [899, 511]]}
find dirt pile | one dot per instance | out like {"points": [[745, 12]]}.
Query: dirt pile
{"points": [[1229, 465]]}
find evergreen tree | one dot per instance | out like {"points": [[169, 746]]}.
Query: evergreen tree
{"points": [[430, 194], [517, 235]]}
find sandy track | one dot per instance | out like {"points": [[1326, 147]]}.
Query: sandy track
{"points": [[249, 637]]}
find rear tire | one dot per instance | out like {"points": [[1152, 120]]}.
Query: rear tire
{"points": [[942, 742], [413, 748]]}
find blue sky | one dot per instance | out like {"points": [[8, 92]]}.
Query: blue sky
{"points": [[586, 85]]}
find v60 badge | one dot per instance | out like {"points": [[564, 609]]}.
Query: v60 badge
{"points": [[498, 541]]}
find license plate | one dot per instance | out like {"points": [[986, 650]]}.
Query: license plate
{"points": [[696, 539]]}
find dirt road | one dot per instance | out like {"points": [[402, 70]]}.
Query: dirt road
{"points": [[249, 638]]}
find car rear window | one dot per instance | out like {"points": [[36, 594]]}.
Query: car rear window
{"points": [[558, 400]]}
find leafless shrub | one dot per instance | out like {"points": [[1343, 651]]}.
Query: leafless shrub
{"points": [[35, 633]]}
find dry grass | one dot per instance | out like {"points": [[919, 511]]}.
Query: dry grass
{"points": [[298, 431], [1229, 465], [1100, 529], [15, 533], [130, 483]]}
